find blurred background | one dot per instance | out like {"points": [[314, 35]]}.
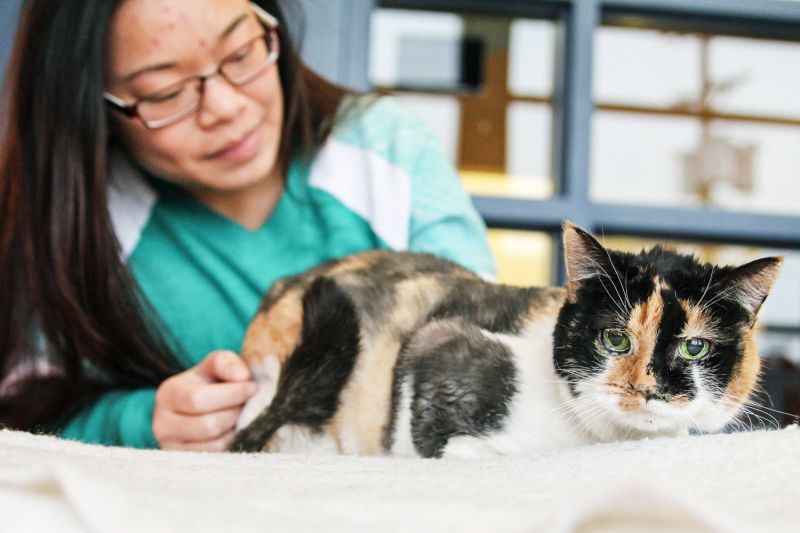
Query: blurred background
{"points": [[641, 120]]}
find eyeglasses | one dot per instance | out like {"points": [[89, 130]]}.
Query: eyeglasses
{"points": [[179, 100]]}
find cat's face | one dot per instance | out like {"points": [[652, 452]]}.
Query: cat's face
{"points": [[656, 343]]}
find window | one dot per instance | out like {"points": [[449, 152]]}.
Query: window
{"points": [[483, 83], [696, 120]]}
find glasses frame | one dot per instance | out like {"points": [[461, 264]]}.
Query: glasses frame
{"points": [[269, 22]]}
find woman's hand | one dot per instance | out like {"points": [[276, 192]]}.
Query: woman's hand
{"points": [[198, 408]]}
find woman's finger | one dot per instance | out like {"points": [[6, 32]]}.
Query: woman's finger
{"points": [[180, 428], [210, 397], [223, 365]]}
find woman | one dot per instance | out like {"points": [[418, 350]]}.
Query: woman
{"points": [[163, 163]]}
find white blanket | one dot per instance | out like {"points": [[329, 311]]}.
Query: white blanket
{"points": [[739, 482]]}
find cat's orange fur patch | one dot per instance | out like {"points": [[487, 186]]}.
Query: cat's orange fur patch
{"points": [[698, 323], [631, 370], [364, 403], [631, 402], [275, 331], [745, 374], [354, 263], [553, 301], [679, 401]]}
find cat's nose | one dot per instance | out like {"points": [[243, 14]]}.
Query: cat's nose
{"points": [[650, 396], [649, 392]]}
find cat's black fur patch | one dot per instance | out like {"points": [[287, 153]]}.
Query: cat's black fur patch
{"points": [[496, 308], [669, 370], [313, 377], [462, 385]]}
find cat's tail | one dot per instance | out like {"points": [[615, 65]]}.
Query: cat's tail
{"points": [[256, 436]]}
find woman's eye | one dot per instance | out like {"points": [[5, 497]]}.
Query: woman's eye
{"points": [[616, 340], [241, 54], [692, 349], [164, 97]]}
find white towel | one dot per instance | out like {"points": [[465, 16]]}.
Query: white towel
{"points": [[737, 482]]}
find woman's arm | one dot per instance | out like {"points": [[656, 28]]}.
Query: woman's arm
{"points": [[117, 418], [443, 220], [194, 410]]}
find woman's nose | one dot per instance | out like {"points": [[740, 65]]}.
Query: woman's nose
{"points": [[221, 102]]}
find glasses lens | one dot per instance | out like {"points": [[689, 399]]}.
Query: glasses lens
{"points": [[173, 101], [249, 60]]}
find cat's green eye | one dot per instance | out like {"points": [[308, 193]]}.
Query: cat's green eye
{"points": [[616, 340], [693, 349]]}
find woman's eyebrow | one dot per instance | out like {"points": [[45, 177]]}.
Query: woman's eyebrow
{"points": [[166, 66], [232, 26], [151, 68]]}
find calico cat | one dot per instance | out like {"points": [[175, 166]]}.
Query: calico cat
{"points": [[411, 355]]}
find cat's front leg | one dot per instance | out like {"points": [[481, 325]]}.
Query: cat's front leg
{"points": [[460, 384]]}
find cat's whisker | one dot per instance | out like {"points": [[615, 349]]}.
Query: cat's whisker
{"points": [[751, 410], [760, 391], [570, 415], [710, 277], [578, 372], [746, 413], [738, 425], [753, 404], [571, 408], [573, 403], [589, 414], [611, 298], [763, 421], [608, 423], [724, 294], [598, 268], [686, 415], [623, 285], [543, 380], [766, 412]]}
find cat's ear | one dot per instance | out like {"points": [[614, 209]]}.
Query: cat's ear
{"points": [[585, 258], [750, 284]]}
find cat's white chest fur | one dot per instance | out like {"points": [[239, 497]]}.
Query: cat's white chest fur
{"points": [[540, 417]]}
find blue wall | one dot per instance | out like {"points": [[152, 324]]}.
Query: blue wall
{"points": [[9, 11]]}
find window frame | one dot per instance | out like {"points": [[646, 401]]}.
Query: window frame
{"points": [[573, 106]]}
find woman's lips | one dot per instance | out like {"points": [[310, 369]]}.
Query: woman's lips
{"points": [[241, 150]]}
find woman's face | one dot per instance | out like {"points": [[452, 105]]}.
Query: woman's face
{"points": [[231, 142]]}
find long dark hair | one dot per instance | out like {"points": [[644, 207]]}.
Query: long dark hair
{"points": [[73, 322]]}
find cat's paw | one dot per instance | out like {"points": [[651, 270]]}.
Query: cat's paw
{"points": [[266, 376], [466, 447]]}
